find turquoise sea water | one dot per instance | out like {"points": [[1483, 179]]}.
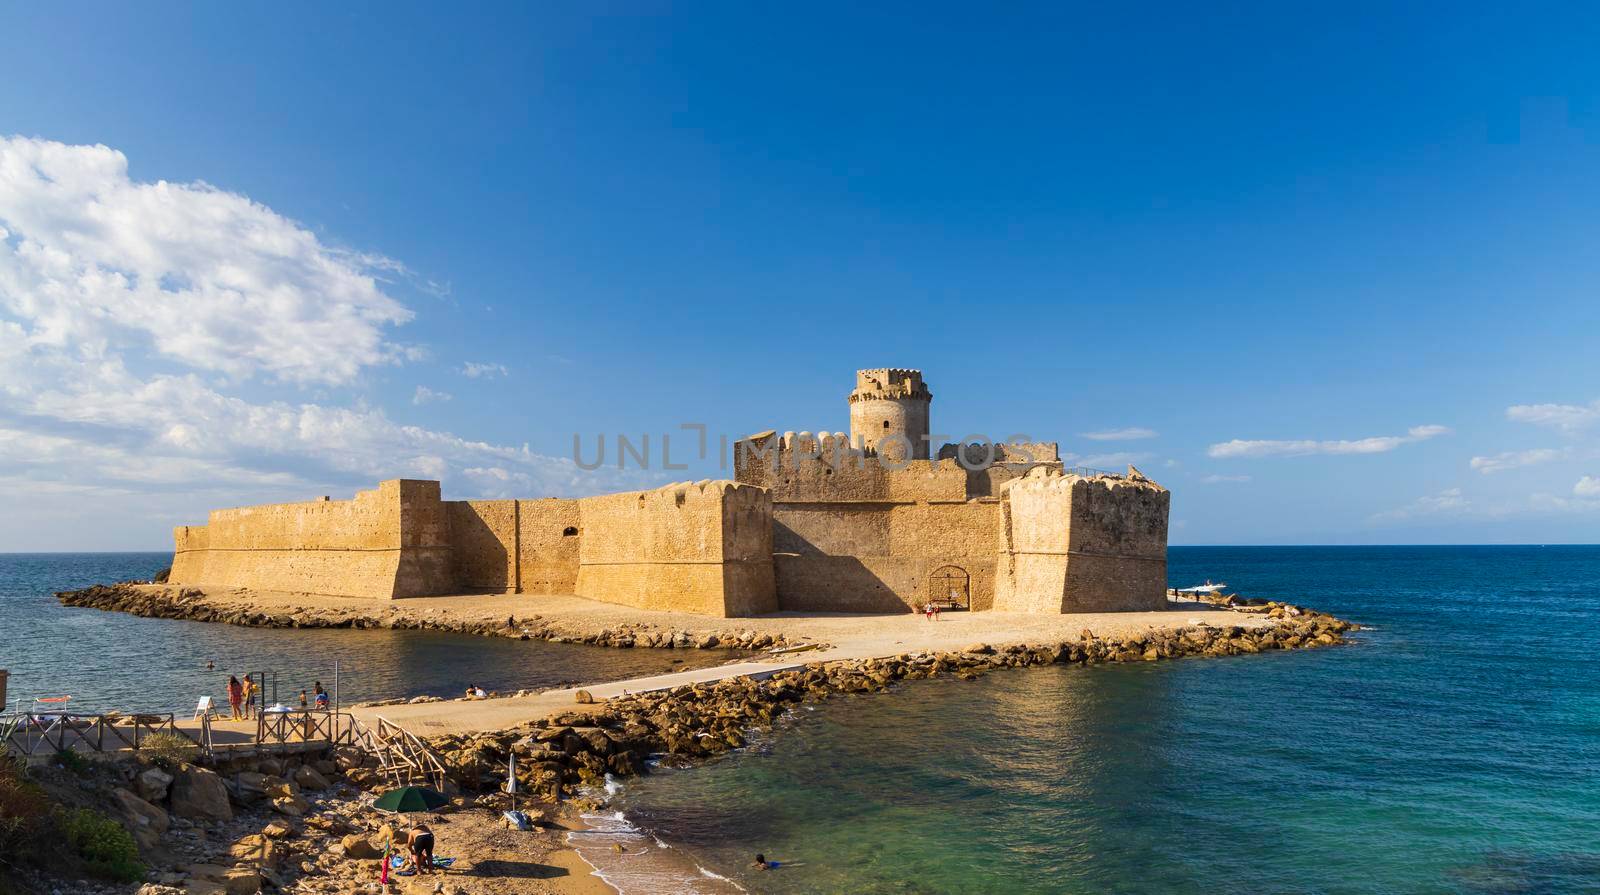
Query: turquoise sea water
{"points": [[110, 660], [1454, 748]]}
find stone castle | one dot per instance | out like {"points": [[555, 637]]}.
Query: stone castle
{"points": [[870, 521]]}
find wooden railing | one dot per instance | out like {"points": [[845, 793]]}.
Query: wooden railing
{"points": [[403, 758], [31, 733]]}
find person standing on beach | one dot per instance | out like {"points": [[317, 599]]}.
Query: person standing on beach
{"points": [[303, 700], [319, 694], [235, 695], [250, 690]]}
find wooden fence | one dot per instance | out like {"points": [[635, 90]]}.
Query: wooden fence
{"points": [[31, 733], [402, 757]]}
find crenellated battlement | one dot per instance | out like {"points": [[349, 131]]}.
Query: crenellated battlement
{"points": [[890, 384]]}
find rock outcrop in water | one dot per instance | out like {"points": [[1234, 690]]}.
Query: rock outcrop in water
{"points": [[141, 599]]}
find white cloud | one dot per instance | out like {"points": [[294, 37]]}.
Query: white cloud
{"points": [[1515, 459], [130, 316], [1215, 479], [425, 395], [1567, 418], [1588, 486], [90, 257], [1449, 501], [1129, 434], [473, 370], [1375, 445]]}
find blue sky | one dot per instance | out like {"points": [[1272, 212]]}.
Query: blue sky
{"points": [[1339, 263]]}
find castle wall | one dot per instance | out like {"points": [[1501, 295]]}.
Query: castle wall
{"points": [[693, 547], [483, 544], [388, 542], [1076, 544], [547, 542], [880, 557]]}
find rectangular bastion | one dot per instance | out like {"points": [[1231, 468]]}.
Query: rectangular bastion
{"points": [[1072, 543], [702, 547]]}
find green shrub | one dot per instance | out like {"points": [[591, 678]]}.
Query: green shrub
{"points": [[167, 750], [108, 851], [72, 761]]}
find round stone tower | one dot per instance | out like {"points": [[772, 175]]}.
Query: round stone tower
{"points": [[889, 403]]}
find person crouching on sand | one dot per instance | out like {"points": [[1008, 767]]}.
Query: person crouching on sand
{"points": [[235, 695], [420, 842]]}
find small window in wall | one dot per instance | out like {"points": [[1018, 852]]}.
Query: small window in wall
{"points": [[569, 532], [886, 424]]}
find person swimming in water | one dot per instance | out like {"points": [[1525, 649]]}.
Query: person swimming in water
{"points": [[761, 863]]}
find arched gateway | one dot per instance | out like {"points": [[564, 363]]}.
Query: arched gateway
{"points": [[951, 586]]}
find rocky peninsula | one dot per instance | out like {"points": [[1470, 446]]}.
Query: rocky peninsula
{"points": [[567, 742]]}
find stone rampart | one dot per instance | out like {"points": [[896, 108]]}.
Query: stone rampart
{"points": [[1072, 543], [701, 547], [388, 542], [548, 534], [483, 544]]}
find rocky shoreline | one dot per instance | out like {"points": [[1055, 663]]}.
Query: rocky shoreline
{"points": [[190, 604], [563, 760], [300, 823], [563, 756]]}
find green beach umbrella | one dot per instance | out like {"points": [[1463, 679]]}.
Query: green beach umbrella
{"points": [[408, 799]]}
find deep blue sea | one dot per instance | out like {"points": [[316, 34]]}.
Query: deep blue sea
{"points": [[110, 660], [1455, 748]]}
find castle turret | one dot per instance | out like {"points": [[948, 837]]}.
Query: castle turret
{"points": [[888, 405]]}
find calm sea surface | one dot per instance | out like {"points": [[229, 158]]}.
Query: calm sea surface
{"points": [[110, 660], [1455, 748]]}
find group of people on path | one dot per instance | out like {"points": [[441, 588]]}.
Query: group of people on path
{"points": [[243, 696]]}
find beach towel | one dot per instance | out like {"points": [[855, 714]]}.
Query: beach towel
{"points": [[398, 861]]}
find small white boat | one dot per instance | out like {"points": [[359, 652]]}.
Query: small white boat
{"points": [[1207, 588]]}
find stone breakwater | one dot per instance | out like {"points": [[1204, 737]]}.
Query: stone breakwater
{"points": [[564, 755], [191, 604]]}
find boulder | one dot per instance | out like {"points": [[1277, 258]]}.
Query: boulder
{"points": [[256, 849], [358, 848], [584, 697], [146, 821], [198, 794], [152, 784], [292, 805], [308, 778]]}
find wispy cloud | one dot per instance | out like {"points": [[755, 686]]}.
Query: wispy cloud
{"points": [[1568, 418], [1515, 459], [473, 370], [1375, 445], [1108, 461], [1448, 501], [1130, 434], [1588, 486], [1215, 479], [425, 395]]}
